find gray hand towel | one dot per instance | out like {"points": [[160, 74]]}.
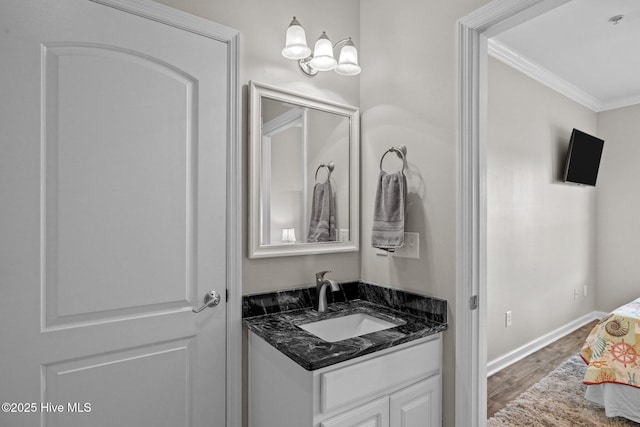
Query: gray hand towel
{"points": [[389, 211], [322, 225]]}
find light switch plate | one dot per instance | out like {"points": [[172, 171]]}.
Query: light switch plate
{"points": [[382, 252], [411, 247]]}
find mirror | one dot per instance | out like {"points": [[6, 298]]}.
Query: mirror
{"points": [[303, 174]]}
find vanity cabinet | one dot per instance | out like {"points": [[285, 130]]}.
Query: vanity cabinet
{"points": [[395, 387], [416, 406]]}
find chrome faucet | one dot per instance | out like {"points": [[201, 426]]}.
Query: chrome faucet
{"points": [[321, 289]]}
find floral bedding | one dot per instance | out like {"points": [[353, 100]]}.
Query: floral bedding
{"points": [[612, 349]]}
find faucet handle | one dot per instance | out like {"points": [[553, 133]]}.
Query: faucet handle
{"points": [[320, 275]]}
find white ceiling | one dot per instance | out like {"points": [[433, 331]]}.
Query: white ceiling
{"points": [[577, 51]]}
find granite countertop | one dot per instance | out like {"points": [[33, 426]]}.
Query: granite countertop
{"points": [[279, 327]]}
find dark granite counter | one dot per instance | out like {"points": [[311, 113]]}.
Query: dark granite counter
{"points": [[274, 317]]}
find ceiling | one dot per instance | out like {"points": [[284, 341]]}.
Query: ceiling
{"points": [[576, 50]]}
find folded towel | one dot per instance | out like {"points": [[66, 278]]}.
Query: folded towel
{"points": [[389, 211], [322, 225]]}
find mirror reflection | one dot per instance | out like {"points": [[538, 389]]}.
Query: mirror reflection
{"points": [[305, 152], [305, 186]]}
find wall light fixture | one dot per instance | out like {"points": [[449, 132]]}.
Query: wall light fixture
{"points": [[322, 58]]}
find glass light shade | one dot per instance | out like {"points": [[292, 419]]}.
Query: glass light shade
{"points": [[288, 235], [296, 42], [323, 59], [348, 62]]}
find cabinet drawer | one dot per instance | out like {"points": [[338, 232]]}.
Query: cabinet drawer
{"points": [[378, 375]]}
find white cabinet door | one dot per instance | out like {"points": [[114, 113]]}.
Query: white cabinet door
{"points": [[113, 134], [417, 405], [374, 414]]}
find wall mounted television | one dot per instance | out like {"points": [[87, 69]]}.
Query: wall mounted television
{"points": [[583, 158]]}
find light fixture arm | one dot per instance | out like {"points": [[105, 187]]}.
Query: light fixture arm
{"points": [[343, 41], [307, 69]]}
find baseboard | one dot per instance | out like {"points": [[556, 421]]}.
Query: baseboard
{"points": [[520, 353]]}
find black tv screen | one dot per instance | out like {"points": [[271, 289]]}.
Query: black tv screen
{"points": [[583, 159]]}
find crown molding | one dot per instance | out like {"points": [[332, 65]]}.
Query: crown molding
{"points": [[547, 78], [542, 75]]}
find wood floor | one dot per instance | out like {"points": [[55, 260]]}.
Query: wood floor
{"points": [[509, 383]]}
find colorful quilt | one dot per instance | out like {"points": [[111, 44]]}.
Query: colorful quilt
{"points": [[612, 349]]}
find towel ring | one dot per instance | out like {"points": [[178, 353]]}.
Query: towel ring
{"points": [[330, 166], [401, 151]]}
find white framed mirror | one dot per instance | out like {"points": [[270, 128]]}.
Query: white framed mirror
{"points": [[304, 157]]}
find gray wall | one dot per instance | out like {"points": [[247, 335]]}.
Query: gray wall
{"points": [[407, 95], [541, 232], [618, 269], [262, 25]]}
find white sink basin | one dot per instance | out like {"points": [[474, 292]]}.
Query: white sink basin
{"points": [[345, 327]]}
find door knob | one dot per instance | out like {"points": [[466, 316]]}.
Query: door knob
{"points": [[211, 299]]}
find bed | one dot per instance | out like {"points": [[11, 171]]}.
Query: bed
{"points": [[612, 354]]}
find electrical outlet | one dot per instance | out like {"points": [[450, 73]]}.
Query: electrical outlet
{"points": [[575, 293], [507, 319], [586, 292]]}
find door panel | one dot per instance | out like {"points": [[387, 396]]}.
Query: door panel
{"points": [[102, 182], [114, 175], [373, 414], [417, 405], [86, 386]]}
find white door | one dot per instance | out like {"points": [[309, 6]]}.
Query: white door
{"points": [[113, 180]]}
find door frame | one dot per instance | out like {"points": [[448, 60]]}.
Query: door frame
{"points": [[231, 37], [473, 32]]}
